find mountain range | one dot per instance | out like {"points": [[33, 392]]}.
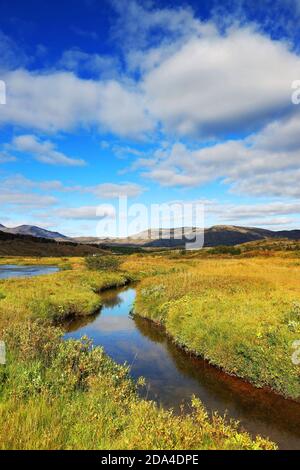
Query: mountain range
{"points": [[228, 235], [33, 231]]}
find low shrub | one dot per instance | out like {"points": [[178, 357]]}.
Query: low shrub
{"points": [[225, 250], [65, 395], [103, 263]]}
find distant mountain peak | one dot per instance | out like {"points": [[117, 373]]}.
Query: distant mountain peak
{"points": [[217, 235], [168, 238], [34, 231]]}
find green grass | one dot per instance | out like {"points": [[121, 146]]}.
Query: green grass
{"points": [[65, 395], [57, 296], [57, 394], [240, 315], [103, 263]]}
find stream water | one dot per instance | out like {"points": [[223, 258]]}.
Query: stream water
{"points": [[10, 271], [173, 376]]}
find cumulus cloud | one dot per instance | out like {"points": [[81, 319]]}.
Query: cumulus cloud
{"points": [[19, 194], [186, 81], [201, 81], [227, 83], [284, 184], [280, 135], [43, 151], [60, 101], [205, 84], [258, 211], [19, 181], [263, 164], [26, 200], [275, 215]]}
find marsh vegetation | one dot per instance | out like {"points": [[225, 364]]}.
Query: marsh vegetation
{"points": [[240, 313]]}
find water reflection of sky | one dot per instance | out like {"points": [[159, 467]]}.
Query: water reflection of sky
{"points": [[12, 271]]}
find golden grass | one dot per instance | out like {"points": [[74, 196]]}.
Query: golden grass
{"points": [[56, 296], [243, 315], [58, 394], [63, 395]]}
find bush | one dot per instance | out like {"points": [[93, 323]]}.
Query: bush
{"points": [[225, 250], [66, 395], [66, 267], [103, 263]]}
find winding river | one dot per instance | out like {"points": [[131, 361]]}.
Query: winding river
{"points": [[173, 376]]}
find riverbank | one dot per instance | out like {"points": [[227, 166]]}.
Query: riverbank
{"points": [[243, 316], [173, 376], [55, 297], [76, 396]]}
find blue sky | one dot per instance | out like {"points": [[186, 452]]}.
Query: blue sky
{"points": [[160, 101]]}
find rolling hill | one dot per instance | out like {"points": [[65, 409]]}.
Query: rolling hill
{"points": [[33, 231], [25, 245], [227, 235]]}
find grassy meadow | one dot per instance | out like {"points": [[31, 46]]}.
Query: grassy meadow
{"points": [[73, 291], [64, 395], [240, 312]]}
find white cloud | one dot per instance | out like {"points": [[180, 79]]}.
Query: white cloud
{"points": [[277, 223], [112, 190], [6, 157], [205, 84], [85, 213], [19, 181], [43, 151], [189, 80], [60, 101], [280, 135], [258, 211], [139, 25], [222, 84], [201, 81], [275, 184], [19, 194], [264, 164], [275, 215], [26, 200], [103, 191]]}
